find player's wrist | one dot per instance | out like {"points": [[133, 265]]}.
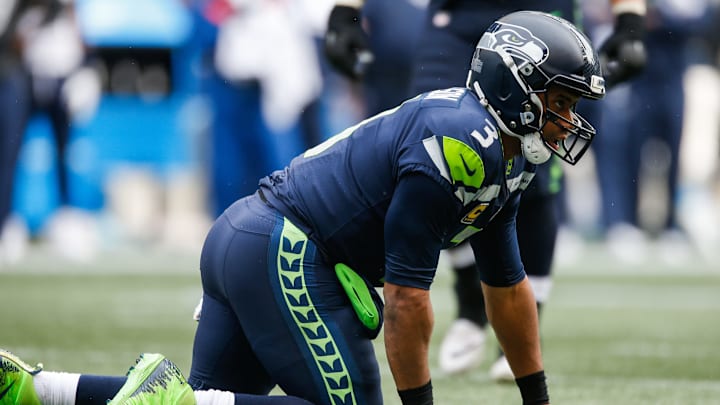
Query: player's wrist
{"points": [[422, 395], [533, 388], [356, 4], [629, 6]]}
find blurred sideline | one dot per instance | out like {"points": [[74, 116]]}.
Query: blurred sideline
{"points": [[138, 166], [699, 191]]}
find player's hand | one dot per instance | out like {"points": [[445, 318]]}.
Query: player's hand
{"points": [[623, 54], [346, 44]]}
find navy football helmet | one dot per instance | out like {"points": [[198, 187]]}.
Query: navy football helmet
{"points": [[516, 60]]}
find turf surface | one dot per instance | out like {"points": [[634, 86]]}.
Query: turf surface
{"points": [[611, 334]]}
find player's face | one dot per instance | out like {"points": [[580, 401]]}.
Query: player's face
{"points": [[562, 103]]}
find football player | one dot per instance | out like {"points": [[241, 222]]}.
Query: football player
{"points": [[289, 272], [451, 32]]}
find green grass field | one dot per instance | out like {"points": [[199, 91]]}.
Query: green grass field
{"points": [[611, 334]]}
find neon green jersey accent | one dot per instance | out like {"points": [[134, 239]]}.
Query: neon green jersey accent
{"points": [[466, 166], [556, 175]]}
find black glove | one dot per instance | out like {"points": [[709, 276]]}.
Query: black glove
{"points": [[346, 44], [623, 55]]}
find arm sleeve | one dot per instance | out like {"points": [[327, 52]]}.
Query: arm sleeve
{"points": [[497, 255], [417, 221]]}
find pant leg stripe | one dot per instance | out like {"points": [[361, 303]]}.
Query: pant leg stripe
{"points": [[330, 364]]}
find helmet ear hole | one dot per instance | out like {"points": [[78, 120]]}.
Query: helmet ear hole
{"points": [[527, 117]]}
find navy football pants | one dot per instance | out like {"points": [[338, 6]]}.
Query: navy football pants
{"points": [[274, 313], [15, 108]]}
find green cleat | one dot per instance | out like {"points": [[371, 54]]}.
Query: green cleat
{"points": [[16, 381], [154, 380]]}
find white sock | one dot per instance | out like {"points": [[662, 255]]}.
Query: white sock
{"points": [[541, 286], [214, 397], [54, 388]]}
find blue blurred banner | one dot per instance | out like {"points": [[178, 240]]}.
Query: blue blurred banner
{"points": [[156, 23], [132, 124]]}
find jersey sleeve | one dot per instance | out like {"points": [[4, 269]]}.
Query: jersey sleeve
{"points": [[497, 255], [417, 222]]}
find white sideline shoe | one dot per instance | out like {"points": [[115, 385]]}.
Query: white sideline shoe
{"points": [[14, 240], [500, 371], [674, 248], [627, 243], [74, 234], [463, 347]]}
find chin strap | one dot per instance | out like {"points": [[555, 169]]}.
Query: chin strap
{"points": [[534, 149]]}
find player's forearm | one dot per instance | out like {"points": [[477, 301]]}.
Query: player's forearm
{"points": [[513, 314], [408, 326]]}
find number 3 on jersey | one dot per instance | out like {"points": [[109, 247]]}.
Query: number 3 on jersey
{"points": [[491, 134]]}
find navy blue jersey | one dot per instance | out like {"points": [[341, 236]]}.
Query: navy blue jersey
{"points": [[442, 61], [386, 195]]}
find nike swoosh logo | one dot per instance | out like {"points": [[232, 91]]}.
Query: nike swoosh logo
{"points": [[467, 168], [6, 389]]}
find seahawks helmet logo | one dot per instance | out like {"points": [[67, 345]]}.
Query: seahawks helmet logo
{"points": [[516, 41]]}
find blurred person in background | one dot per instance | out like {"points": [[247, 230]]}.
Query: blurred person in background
{"points": [[386, 63], [642, 123], [41, 49], [699, 161], [64, 89], [15, 107], [450, 33], [256, 101]]}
